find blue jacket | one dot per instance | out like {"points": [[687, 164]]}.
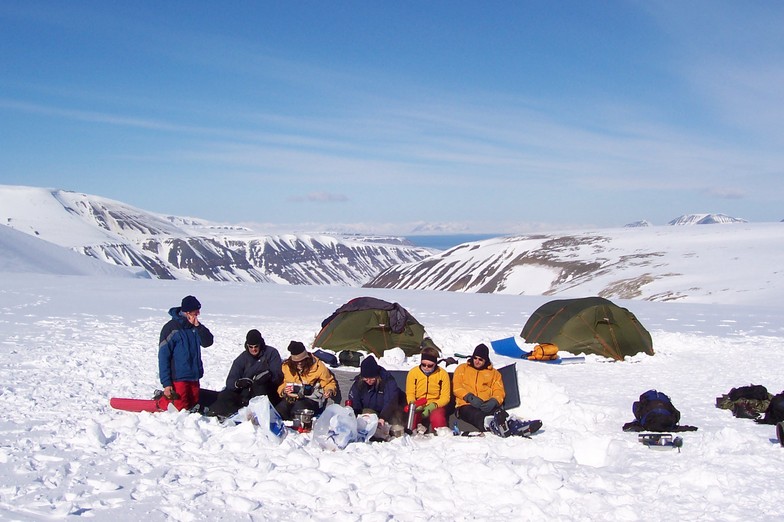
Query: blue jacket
{"points": [[247, 366], [179, 351], [377, 397]]}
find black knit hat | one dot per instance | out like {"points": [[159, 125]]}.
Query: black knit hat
{"points": [[369, 367], [190, 304], [482, 351], [297, 350], [254, 337]]}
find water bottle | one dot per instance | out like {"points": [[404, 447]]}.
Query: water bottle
{"points": [[455, 429], [411, 416]]}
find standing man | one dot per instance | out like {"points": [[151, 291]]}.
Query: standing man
{"points": [[179, 355]]}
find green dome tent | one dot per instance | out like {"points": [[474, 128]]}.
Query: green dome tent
{"points": [[372, 325], [588, 325]]}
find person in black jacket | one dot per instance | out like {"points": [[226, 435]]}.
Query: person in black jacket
{"points": [[255, 372], [179, 355], [375, 391]]}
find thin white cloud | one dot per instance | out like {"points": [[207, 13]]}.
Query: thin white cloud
{"points": [[727, 192], [320, 197]]}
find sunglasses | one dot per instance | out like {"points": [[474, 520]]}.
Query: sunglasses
{"points": [[477, 358], [428, 365]]}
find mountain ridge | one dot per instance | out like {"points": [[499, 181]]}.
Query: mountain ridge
{"points": [[656, 263], [170, 247], [667, 263]]}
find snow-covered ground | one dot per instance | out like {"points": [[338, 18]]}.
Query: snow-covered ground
{"points": [[70, 342]]}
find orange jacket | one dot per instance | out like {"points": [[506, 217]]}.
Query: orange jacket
{"points": [[485, 384], [434, 387], [317, 373]]}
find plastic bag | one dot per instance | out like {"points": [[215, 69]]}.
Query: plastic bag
{"points": [[266, 418], [367, 424], [335, 428]]}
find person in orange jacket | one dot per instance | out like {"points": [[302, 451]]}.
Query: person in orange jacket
{"points": [[478, 387], [307, 383], [428, 386]]}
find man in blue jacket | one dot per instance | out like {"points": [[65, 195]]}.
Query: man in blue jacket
{"points": [[179, 355], [256, 371], [375, 391]]}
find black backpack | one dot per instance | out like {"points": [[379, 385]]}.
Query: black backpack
{"points": [[350, 358], [655, 412], [775, 412], [752, 391]]}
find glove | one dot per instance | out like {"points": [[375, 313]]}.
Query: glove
{"points": [[243, 383], [473, 400], [489, 405], [262, 377], [427, 410]]}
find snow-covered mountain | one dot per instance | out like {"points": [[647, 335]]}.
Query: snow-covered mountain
{"points": [[705, 219], [666, 263], [20, 253], [171, 247], [642, 223]]}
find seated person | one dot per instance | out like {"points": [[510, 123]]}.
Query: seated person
{"points": [[307, 383], [478, 388], [375, 391], [428, 387], [256, 371]]}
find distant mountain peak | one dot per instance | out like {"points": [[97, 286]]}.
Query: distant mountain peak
{"points": [[705, 219], [643, 223]]}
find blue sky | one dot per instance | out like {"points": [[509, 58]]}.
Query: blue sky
{"points": [[394, 116]]}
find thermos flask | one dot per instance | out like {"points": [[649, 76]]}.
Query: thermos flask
{"points": [[411, 415]]}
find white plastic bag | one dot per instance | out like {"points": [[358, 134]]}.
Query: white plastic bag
{"points": [[335, 428], [266, 418], [367, 424]]}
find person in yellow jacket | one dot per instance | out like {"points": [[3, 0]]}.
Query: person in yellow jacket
{"points": [[307, 383], [428, 387], [478, 387]]}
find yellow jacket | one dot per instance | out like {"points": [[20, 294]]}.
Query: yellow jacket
{"points": [[434, 387], [485, 384], [317, 373]]}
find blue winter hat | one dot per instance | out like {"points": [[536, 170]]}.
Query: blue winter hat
{"points": [[190, 304]]}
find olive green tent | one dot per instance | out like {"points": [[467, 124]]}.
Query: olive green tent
{"points": [[372, 325], [588, 325]]}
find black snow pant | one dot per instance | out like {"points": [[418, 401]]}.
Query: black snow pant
{"points": [[230, 401], [473, 416]]}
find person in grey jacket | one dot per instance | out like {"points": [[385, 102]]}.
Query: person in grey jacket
{"points": [[255, 372]]}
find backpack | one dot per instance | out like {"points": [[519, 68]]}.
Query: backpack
{"points": [[544, 352], [745, 402], [752, 391], [350, 358], [775, 412], [655, 412]]}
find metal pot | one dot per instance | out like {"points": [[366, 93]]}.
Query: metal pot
{"points": [[303, 420]]}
